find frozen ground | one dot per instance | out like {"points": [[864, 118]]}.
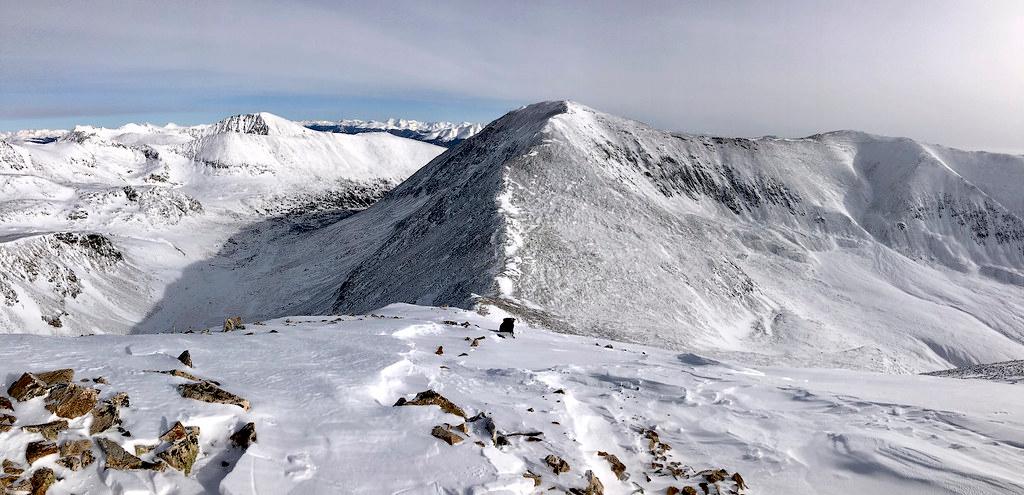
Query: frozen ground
{"points": [[322, 389]]}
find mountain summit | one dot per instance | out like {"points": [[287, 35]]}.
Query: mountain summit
{"points": [[840, 248]]}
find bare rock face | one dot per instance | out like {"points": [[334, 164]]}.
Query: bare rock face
{"points": [[184, 448], [48, 430], [41, 481], [446, 434], [76, 454], [245, 436], [208, 392], [431, 398], [557, 464], [533, 476], [27, 387], [38, 450], [119, 459], [56, 377], [71, 401], [185, 358], [5, 404], [616, 465]]}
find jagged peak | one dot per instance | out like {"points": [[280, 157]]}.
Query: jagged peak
{"points": [[260, 123]]}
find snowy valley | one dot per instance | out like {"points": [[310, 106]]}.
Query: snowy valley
{"points": [[694, 313]]}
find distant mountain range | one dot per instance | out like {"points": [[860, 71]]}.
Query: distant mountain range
{"points": [[445, 134]]}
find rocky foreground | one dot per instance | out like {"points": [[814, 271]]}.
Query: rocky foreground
{"points": [[427, 400]]}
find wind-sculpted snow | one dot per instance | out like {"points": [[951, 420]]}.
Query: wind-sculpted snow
{"points": [[322, 391], [176, 202]]}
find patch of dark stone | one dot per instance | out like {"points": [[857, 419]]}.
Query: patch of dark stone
{"points": [[68, 400], [616, 465], [42, 478], [185, 358], [432, 398], [49, 430], [245, 436], [208, 392], [233, 323], [183, 447], [76, 454], [108, 413], [445, 433], [557, 464], [183, 374], [37, 450], [120, 460]]}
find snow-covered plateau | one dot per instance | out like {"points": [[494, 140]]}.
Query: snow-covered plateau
{"points": [[322, 392], [695, 314]]}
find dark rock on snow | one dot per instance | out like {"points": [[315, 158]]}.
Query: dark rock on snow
{"points": [[431, 398]]}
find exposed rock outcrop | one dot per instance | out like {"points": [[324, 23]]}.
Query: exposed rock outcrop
{"points": [[185, 358], [27, 387], [446, 434], [557, 464], [183, 448], [431, 398], [37, 450], [76, 454], [68, 400], [208, 392], [48, 430], [245, 436], [41, 481], [119, 459]]}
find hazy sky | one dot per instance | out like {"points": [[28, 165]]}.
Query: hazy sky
{"points": [[943, 72]]}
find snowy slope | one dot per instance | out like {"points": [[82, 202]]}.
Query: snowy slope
{"points": [[837, 250], [322, 391], [188, 210], [445, 134], [842, 249]]}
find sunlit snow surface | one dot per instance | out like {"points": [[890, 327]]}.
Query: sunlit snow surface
{"points": [[322, 391]]}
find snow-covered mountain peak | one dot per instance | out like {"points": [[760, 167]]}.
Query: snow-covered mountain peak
{"points": [[261, 123]]}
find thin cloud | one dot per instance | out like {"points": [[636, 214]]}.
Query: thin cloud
{"points": [[948, 72]]}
